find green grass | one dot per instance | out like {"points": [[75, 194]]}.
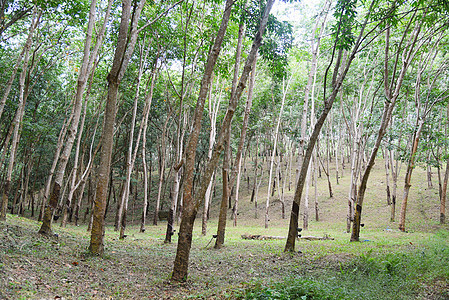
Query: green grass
{"points": [[395, 275]]}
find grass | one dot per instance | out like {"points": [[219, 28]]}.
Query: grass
{"points": [[394, 275], [388, 264]]}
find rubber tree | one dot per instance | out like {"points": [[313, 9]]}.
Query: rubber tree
{"points": [[392, 87], [423, 108], [18, 117], [89, 55], [126, 41], [191, 204], [345, 14]]}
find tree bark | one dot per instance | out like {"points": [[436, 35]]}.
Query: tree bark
{"points": [[285, 86], [190, 206], [444, 195], [86, 68], [228, 183], [213, 113], [225, 195], [126, 41], [18, 117], [337, 81], [145, 118], [408, 175], [242, 139], [392, 96], [161, 171]]}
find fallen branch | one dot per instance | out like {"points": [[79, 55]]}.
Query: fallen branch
{"points": [[261, 237], [270, 237], [316, 238]]}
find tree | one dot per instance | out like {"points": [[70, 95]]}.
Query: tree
{"points": [[189, 213], [16, 124], [345, 13], [392, 90], [127, 38], [191, 204], [89, 56], [422, 111]]}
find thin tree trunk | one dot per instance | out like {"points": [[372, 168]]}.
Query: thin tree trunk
{"points": [[132, 152], [392, 96], [315, 183], [86, 68], [225, 195], [18, 118], [161, 171], [387, 176], [190, 206], [305, 220], [127, 38], [228, 184], [310, 87], [213, 113], [237, 188], [444, 195], [59, 146], [145, 117], [408, 175], [429, 174], [337, 81], [285, 86]]}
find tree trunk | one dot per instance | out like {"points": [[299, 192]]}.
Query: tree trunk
{"points": [[126, 41], [188, 208], [189, 204], [86, 68], [161, 170], [132, 152], [392, 96], [315, 184], [213, 113], [394, 177], [337, 81], [18, 117], [429, 174], [224, 198], [443, 195], [229, 184], [387, 176], [147, 176], [408, 175], [285, 86], [237, 188]]}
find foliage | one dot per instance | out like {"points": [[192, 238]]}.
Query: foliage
{"points": [[278, 39], [345, 13]]}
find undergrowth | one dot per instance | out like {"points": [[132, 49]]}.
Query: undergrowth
{"points": [[399, 275]]}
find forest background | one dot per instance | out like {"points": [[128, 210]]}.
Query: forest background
{"points": [[113, 113]]}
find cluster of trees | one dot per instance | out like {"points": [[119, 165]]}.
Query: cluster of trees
{"points": [[105, 100]]}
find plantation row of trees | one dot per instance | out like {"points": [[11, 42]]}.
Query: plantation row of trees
{"points": [[125, 108]]}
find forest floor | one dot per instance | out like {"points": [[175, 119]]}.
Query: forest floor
{"points": [[387, 264]]}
